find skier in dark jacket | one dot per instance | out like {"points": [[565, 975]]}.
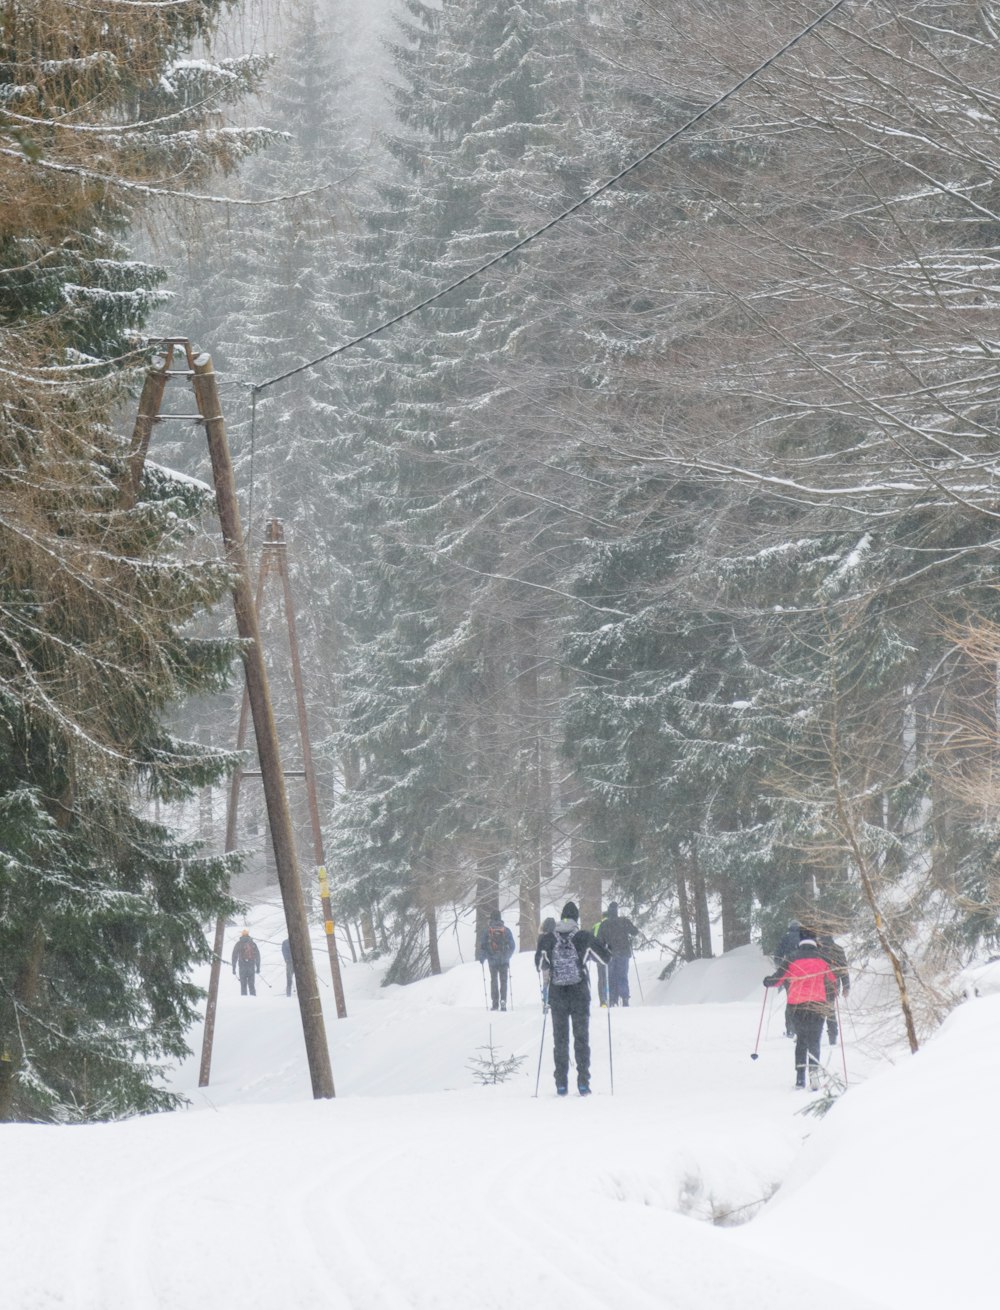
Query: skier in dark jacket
{"points": [[787, 947], [548, 925], [566, 950], [247, 957], [496, 948], [616, 934], [286, 953], [836, 958], [811, 983]]}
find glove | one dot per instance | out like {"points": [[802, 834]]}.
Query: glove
{"points": [[770, 980]]}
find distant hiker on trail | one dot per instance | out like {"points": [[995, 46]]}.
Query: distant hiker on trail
{"points": [[247, 956], [836, 958], [811, 988], [496, 948], [616, 934], [602, 973], [567, 949], [286, 951], [787, 947], [548, 925]]}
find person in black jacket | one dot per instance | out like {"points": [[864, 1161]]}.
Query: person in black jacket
{"points": [[565, 951], [496, 948], [542, 965], [247, 957], [616, 934], [836, 958]]}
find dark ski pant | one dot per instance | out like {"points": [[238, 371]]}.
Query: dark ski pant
{"points": [[571, 1005], [808, 1025], [602, 984], [618, 980], [247, 978], [498, 982]]}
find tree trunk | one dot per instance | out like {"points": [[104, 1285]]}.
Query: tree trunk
{"points": [[25, 990], [684, 913], [432, 940], [702, 919]]}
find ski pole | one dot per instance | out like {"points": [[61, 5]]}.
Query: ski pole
{"points": [[638, 980], [611, 1058], [840, 1026], [541, 1049], [753, 1053], [510, 988], [482, 965]]}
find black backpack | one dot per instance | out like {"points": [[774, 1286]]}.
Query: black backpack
{"points": [[566, 970]]}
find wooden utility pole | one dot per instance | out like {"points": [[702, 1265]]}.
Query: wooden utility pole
{"points": [[258, 693], [275, 558], [202, 376]]}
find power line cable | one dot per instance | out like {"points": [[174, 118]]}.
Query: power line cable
{"points": [[257, 387]]}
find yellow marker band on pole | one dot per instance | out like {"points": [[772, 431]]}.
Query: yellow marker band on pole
{"points": [[328, 925]]}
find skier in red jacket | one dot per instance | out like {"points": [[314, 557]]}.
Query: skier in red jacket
{"points": [[811, 988]]}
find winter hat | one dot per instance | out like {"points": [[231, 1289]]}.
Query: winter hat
{"points": [[570, 911], [613, 909], [548, 925], [495, 916], [794, 923]]}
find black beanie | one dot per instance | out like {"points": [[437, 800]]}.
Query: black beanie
{"points": [[496, 916], [570, 911]]}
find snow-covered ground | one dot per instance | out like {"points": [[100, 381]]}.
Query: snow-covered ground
{"points": [[418, 1187]]}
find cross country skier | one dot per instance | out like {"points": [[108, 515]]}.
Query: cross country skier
{"points": [[247, 956], [496, 948], [811, 988], [566, 950]]}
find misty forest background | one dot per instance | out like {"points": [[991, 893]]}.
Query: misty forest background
{"points": [[658, 560]]}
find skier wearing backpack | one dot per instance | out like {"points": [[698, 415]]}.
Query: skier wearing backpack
{"points": [[496, 948], [566, 950], [616, 934], [247, 957]]}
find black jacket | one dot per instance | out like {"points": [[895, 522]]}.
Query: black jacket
{"points": [[586, 945], [836, 958], [616, 933]]}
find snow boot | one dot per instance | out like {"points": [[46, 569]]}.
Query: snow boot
{"points": [[585, 1089], [814, 1080], [561, 1091]]}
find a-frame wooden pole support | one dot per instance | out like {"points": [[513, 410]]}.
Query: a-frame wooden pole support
{"points": [[202, 377], [274, 559]]}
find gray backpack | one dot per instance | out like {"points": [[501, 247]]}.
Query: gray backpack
{"points": [[566, 969]]}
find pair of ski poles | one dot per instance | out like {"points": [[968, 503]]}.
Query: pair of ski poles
{"points": [[510, 988], [754, 1054], [541, 1045]]}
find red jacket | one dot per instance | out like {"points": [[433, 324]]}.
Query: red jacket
{"points": [[810, 979]]}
